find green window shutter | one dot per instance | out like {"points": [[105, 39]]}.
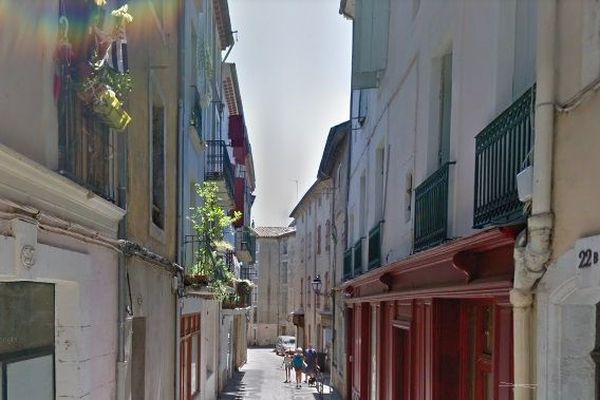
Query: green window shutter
{"points": [[370, 42], [445, 109]]}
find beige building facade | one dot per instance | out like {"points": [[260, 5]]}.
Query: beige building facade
{"points": [[273, 280]]}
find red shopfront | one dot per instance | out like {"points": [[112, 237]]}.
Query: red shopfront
{"points": [[434, 326]]}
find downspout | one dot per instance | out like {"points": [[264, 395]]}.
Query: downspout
{"points": [[533, 245], [124, 308], [180, 165]]}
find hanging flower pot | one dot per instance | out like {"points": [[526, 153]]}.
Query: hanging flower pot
{"points": [[110, 109]]}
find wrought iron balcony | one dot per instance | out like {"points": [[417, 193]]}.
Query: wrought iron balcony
{"points": [[358, 246], [431, 210], [86, 145], [245, 245], [348, 264], [375, 246], [501, 151], [220, 170]]}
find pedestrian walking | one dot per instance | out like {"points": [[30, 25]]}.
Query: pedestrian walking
{"points": [[311, 364], [298, 364], [288, 355]]}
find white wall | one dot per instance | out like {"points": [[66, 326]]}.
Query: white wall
{"points": [[85, 279], [402, 114]]}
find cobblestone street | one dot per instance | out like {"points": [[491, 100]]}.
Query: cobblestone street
{"points": [[262, 378]]}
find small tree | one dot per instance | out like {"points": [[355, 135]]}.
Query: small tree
{"points": [[209, 221]]}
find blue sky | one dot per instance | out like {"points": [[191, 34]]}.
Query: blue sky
{"points": [[293, 60]]}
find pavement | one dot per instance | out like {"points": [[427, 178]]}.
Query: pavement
{"points": [[262, 379]]}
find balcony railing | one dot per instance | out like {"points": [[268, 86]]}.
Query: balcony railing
{"points": [[348, 264], [358, 257], [375, 246], [501, 151], [87, 146], [431, 210], [219, 168]]}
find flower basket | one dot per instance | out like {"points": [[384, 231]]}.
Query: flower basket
{"points": [[229, 304], [196, 280], [111, 111]]}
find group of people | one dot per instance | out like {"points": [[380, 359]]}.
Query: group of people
{"points": [[302, 363]]}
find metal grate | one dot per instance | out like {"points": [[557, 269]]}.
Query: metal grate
{"points": [[501, 151], [218, 164], [375, 246], [358, 257], [348, 264], [431, 209], [86, 145]]}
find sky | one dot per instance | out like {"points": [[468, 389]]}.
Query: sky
{"points": [[293, 59]]}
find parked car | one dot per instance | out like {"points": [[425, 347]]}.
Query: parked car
{"points": [[285, 343]]}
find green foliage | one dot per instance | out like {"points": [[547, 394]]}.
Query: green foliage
{"points": [[209, 221]]}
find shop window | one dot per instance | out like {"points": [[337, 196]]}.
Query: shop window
{"points": [[27, 340]]}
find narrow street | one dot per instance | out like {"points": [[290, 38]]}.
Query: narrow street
{"points": [[262, 378]]}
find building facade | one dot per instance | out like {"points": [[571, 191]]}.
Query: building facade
{"points": [[273, 273], [313, 309], [439, 134]]}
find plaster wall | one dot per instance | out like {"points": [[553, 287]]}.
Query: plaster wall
{"points": [[85, 279], [313, 211], [154, 300], [403, 113], [567, 296], [153, 60], [577, 142], [28, 37]]}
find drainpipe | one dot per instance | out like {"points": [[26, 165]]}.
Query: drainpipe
{"points": [[124, 310], [533, 246]]}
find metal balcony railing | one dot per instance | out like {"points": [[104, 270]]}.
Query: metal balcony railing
{"points": [[218, 165], [431, 210], [501, 151], [375, 246], [358, 257], [348, 264], [87, 152]]}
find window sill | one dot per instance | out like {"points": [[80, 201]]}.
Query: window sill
{"points": [[157, 233]]}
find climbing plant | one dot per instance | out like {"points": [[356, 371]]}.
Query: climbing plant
{"points": [[209, 222]]}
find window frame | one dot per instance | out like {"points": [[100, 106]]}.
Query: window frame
{"points": [[157, 96]]}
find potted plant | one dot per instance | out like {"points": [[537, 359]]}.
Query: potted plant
{"points": [[209, 221], [100, 87]]}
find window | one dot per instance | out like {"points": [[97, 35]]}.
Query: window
{"points": [[302, 250], [301, 292], [284, 247], [308, 283], [525, 42], [86, 145], [327, 235], [408, 190], [445, 110], [309, 245], [157, 177], [379, 183], [189, 348], [284, 272]]}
